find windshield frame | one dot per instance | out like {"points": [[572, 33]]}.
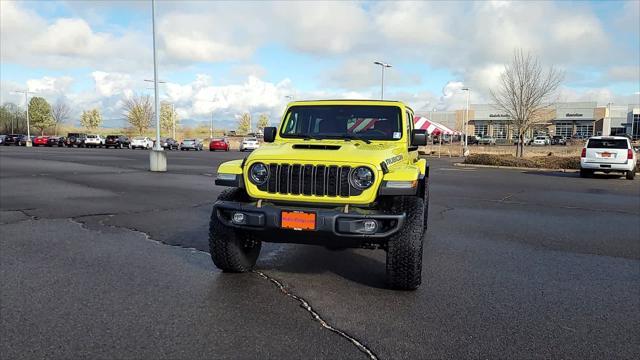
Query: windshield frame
{"points": [[310, 136]]}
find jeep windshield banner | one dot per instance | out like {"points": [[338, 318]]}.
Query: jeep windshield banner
{"points": [[343, 122]]}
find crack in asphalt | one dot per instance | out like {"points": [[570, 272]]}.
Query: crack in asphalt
{"points": [[445, 210], [23, 212], [303, 303]]}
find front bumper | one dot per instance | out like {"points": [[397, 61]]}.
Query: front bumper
{"points": [[329, 221]]}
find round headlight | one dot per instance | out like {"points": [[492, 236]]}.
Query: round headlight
{"points": [[259, 173], [361, 178]]}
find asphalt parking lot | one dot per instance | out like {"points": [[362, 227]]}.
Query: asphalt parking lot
{"points": [[103, 259]]}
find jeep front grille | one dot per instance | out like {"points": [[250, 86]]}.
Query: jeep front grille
{"points": [[310, 180]]}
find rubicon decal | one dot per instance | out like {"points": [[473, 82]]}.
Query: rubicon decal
{"points": [[392, 160]]}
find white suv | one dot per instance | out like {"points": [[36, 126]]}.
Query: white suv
{"points": [[94, 141], [608, 154]]}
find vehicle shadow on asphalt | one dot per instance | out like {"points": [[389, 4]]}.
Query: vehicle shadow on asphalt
{"points": [[573, 175], [349, 264]]}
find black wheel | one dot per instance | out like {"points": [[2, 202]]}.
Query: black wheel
{"points": [[404, 249], [630, 175], [584, 173], [232, 250]]}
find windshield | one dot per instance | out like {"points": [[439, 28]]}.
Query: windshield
{"points": [[343, 121]]}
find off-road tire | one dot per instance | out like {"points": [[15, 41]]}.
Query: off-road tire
{"points": [[232, 250], [630, 175], [585, 173], [404, 249]]}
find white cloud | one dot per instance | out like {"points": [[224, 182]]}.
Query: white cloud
{"points": [[624, 73], [110, 84], [28, 39], [322, 27], [50, 85]]}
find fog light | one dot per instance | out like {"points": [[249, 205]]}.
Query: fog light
{"points": [[239, 218], [370, 226]]}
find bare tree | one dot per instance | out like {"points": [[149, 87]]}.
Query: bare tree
{"points": [[60, 112], [139, 112], [526, 93]]}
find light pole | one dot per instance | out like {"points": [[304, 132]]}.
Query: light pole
{"points": [[26, 102], [173, 117], [466, 121], [609, 116], [382, 66], [157, 157]]}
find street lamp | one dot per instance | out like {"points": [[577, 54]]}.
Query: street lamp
{"points": [[382, 66], [26, 102], [157, 157], [609, 116], [466, 121]]}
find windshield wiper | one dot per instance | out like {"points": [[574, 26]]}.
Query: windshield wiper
{"points": [[352, 137]]}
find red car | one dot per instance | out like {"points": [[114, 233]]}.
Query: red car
{"points": [[40, 141], [219, 144]]}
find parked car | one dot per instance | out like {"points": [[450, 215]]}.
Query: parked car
{"points": [[40, 140], [486, 140], [76, 139], [472, 140], [541, 141], [116, 141], [219, 144], [56, 141], [558, 140], [11, 139], [141, 142], [608, 154], [169, 144], [22, 140], [191, 144], [94, 141], [249, 143]]}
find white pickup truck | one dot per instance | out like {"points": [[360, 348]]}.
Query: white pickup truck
{"points": [[94, 141], [608, 154]]}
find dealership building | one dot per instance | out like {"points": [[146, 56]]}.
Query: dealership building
{"points": [[564, 119]]}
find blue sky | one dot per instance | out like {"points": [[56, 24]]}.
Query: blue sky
{"points": [[229, 57]]}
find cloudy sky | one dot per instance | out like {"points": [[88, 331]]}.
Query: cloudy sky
{"points": [[223, 58]]}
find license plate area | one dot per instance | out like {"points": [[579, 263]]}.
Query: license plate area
{"points": [[298, 220]]}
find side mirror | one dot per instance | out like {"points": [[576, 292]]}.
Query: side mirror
{"points": [[269, 134], [418, 137]]}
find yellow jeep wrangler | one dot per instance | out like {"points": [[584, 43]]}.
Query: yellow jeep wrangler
{"points": [[338, 173]]}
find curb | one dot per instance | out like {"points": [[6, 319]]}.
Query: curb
{"points": [[519, 168]]}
